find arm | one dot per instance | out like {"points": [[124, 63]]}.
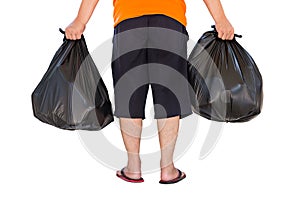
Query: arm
{"points": [[223, 26], [76, 28]]}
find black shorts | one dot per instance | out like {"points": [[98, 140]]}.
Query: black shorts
{"points": [[150, 50]]}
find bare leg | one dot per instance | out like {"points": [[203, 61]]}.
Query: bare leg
{"points": [[168, 132], [131, 132]]}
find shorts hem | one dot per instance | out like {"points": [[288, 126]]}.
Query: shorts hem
{"points": [[126, 116], [181, 116]]}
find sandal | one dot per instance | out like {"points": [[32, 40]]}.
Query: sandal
{"points": [[124, 177], [180, 177]]}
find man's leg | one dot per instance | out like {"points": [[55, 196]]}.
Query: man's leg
{"points": [[131, 132], [168, 132]]}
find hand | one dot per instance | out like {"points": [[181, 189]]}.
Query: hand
{"points": [[74, 30], [225, 30]]}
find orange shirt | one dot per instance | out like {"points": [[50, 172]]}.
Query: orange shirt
{"points": [[125, 9]]}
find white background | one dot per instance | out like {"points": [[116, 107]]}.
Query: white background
{"points": [[254, 160]]}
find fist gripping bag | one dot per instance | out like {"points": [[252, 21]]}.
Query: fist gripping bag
{"points": [[72, 94], [226, 84]]}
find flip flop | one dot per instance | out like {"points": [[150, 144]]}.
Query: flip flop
{"points": [[175, 180], [128, 179]]}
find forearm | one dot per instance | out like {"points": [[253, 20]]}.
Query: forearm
{"points": [[216, 10], [86, 10]]}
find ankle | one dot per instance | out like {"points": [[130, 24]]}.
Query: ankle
{"points": [[134, 164], [168, 169]]}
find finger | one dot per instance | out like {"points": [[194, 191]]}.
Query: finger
{"points": [[69, 36], [221, 35], [78, 36], [68, 33], [224, 37], [72, 37], [229, 36]]}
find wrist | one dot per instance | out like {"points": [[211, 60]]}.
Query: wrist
{"points": [[80, 21], [221, 19]]}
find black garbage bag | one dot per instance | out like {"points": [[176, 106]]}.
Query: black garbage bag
{"points": [[72, 94], [226, 84]]}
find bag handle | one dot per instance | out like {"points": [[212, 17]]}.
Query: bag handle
{"points": [[62, 31], [235, 35]]}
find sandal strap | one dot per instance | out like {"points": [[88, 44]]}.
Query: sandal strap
{"points": [[179, 173], [175, 180], [124, 175]]}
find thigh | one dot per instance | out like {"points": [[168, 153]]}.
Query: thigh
{"points": [[167, 45], [167, 57], [129, 44], [129, 72]]}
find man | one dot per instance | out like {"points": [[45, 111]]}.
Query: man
{"points": [[138, 16]]}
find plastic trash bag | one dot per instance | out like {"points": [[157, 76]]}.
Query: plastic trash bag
{"points": [[72, 94], [226, 84]]}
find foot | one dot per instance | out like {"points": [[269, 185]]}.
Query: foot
{"points": [[173, 176], [134, 177]]}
